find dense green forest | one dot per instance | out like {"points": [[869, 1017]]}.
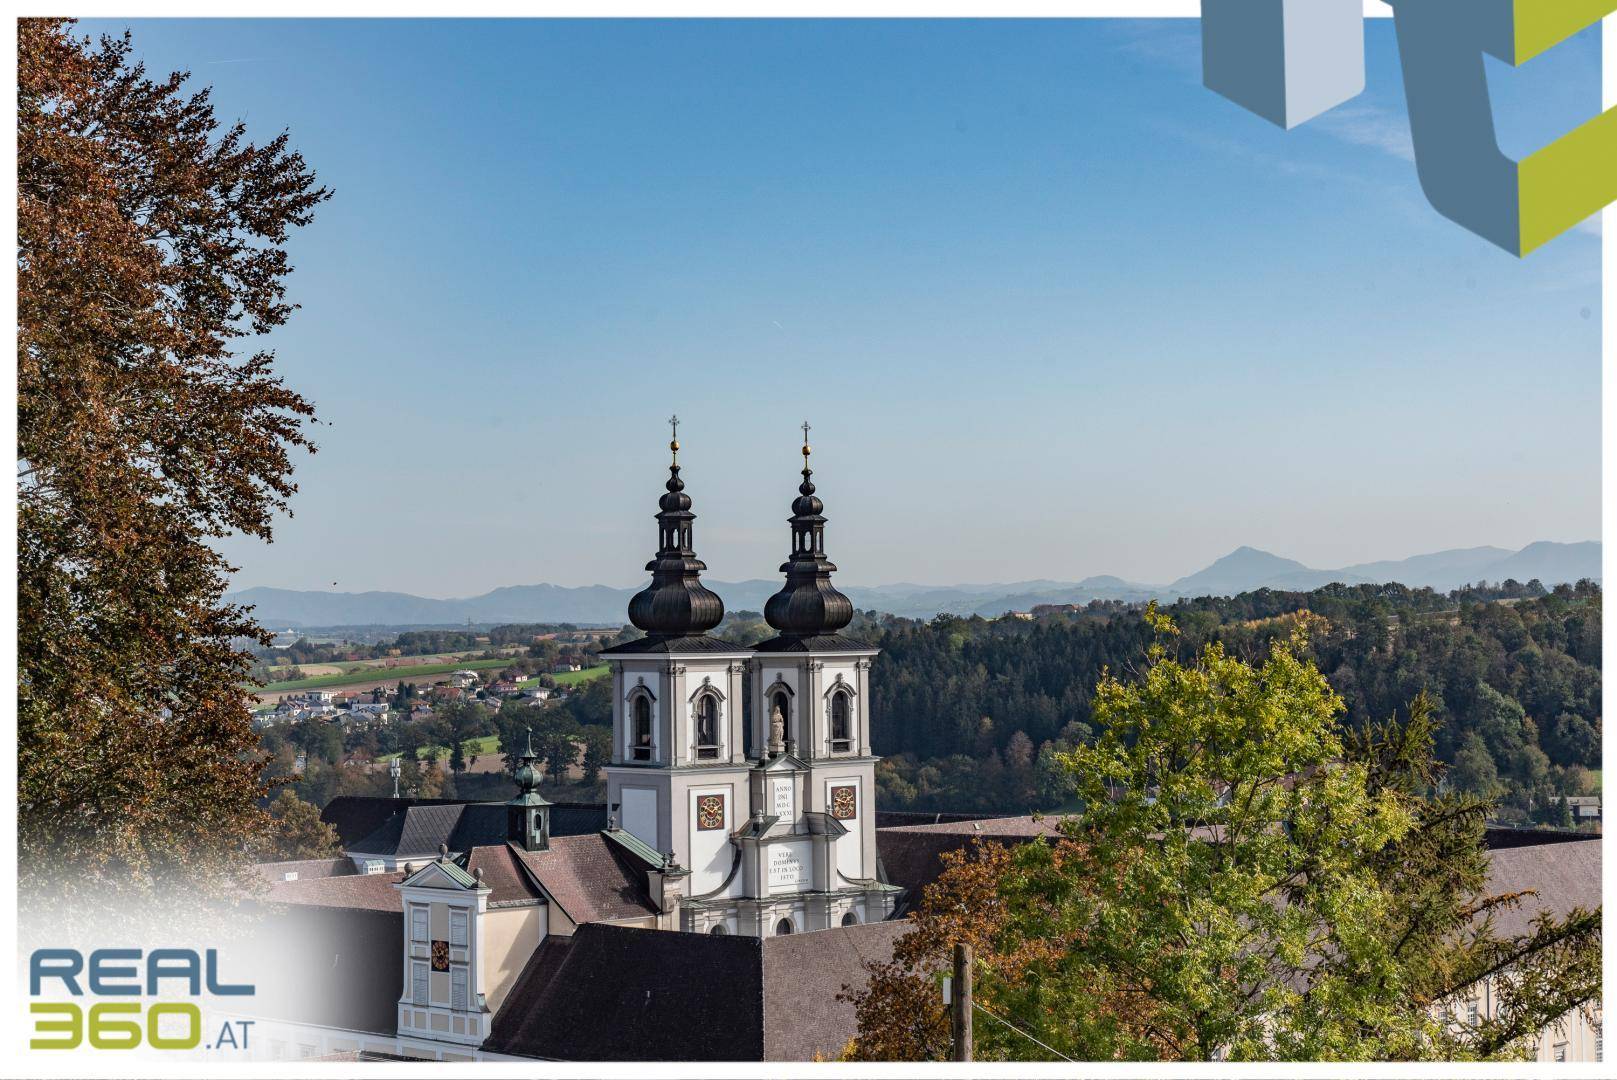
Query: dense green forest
{"points": [[969, 712]]}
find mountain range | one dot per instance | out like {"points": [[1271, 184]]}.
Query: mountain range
{"points": [[1242, 570]]}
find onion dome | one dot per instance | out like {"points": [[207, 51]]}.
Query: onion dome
{"points": [[809, 605], [676, 603], [527, 774]]}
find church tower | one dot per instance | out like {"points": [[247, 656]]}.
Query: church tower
{"points": [[677, 779], [810, 688], [775, 844]]}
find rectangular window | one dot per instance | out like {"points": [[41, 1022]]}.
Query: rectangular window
{"points": [[1560, 1052], [418, 983], [1600, 1037], [457, 991], [457, 928], [418, 923], [1471, 1013]]}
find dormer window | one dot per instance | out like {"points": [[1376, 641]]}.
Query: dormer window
{"points": [[640, 730], [841, 722], [707, 726]]}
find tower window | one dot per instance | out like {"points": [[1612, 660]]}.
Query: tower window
{"points": [[640, 736], [457, 988], [707, 726], [841, 726], [783, 928]]}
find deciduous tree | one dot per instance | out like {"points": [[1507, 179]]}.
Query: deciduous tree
{"points": [[151, 241], [1245, 880]]}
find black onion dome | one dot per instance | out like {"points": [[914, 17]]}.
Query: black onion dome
{"points": [[676, 603], [809, 604]]}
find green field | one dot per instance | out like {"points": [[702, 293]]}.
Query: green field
{"points": [[574, 678], [488, 744], [379, 675]]}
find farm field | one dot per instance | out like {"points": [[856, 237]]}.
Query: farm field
{"points": [[364, 675], [575, 678], [487, 744], [389, 664]]}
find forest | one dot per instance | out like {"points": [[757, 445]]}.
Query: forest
{"points": [[969, 713]]}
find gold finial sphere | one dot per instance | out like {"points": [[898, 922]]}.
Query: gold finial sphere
{"points": [[674, 445]]}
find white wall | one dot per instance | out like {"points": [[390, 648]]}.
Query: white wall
{"points": [[711, 853], [639, 807]]}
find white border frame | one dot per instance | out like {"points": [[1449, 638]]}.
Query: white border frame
{"points": [[20, 1062]]}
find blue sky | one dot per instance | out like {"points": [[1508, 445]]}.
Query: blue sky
{"points": [[1053, 309]]}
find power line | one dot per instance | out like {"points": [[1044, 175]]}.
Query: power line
{"points": [[1020, 1032]]}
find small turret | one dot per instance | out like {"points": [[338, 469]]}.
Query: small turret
{"points": [[527, 816]]}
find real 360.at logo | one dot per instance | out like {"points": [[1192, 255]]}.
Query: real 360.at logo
{"points": [[68, 1021]]}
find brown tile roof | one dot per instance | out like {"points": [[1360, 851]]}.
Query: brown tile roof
{"points": [[503, 873], [804, 973], [911, 854], [519, 1019], [1562, 876], [673, 996], [366, 892], [306, 869], [628, 994], [591, 878]]}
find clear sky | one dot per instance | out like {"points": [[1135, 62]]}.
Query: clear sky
{"points": [[1052, 308]]}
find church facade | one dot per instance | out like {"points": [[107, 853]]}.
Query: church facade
{"points": [[749, 768]]}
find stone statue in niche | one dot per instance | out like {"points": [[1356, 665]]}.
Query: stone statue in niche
{"points": [[777, 731]]}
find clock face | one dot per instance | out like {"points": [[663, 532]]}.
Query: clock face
{"points": [[440, 956], [845, 802], [710, 812]]}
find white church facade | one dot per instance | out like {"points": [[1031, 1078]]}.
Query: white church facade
{"points": [[749, 768]]}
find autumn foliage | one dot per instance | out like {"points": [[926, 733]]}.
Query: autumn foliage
{"points": [[151, 242], [1243, 880]]}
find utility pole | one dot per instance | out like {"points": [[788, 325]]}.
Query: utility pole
{"points": [[960, 1002]]}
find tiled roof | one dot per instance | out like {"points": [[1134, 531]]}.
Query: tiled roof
{"points": [[804, 973], [670, 996], [419, 830], [368, 892], [1561, 877], [591, 878], [689, 997], [305, 869], [818, 643], [519, 1018], [419, 827], [357, 816], [503, 874], [699, 643]]}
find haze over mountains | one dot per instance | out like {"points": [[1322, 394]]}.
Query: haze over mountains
{"points": [[1242, 570]]}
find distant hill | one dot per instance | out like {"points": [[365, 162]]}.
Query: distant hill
{"points": [[1236, 573], [1242, 570]]}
